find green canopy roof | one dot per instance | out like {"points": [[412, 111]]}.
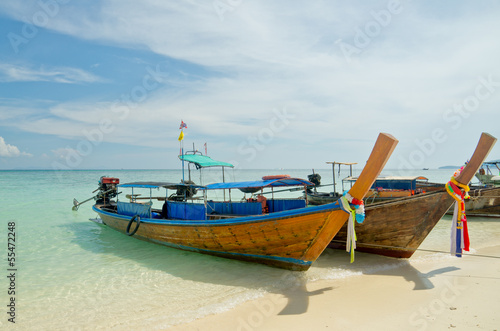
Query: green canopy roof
{"points": [[203, 161]]}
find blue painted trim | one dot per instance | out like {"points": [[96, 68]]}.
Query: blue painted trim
{"points": [[219, 253]]}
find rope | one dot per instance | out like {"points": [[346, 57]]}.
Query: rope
{"points": [[418, 249], [459, 230]]}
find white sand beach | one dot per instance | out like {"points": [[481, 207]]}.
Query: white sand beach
{"points": [[436, 293]]}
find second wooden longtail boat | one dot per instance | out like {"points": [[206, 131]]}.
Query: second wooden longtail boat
{"points": [[396, 228], [291, 239]]}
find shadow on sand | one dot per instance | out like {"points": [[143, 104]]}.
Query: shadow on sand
{"points": [[99, 239]]}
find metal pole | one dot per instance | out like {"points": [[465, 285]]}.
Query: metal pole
{"points": [[205, 194], [350, 172], [342, 181], [305, 190], [334, 184], [151, 203], [182, 153]]}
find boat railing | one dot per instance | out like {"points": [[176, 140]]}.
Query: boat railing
{"points": [[220, 217], [372, 196]]}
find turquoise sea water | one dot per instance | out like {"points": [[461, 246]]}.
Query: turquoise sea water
{"points": [[75, 274]]}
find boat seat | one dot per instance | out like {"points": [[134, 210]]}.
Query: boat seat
{"points": [[132, 209]]}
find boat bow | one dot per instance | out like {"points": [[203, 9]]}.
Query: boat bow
{"points": [[384, 146], [483, 148]]}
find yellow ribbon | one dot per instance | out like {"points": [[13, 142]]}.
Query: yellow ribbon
{"points": [[466, 188], [351, 232]]}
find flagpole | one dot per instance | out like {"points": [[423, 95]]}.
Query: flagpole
{"points": [[181, 141], [182, 153]]}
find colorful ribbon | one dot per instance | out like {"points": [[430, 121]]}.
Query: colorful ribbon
{"points": [[358, 213], [459, 231]]}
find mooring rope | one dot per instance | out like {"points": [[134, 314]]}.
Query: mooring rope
{"points": [[416, 249]]}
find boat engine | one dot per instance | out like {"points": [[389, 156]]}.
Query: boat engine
{"points": [[186, 191], [315, 179], [107, 189]]}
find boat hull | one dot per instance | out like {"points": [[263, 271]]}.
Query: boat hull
{"points": [[397, 228], [290, 240]]}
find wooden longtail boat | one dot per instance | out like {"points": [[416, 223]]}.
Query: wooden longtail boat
{"points": [[396, 228], [291, 239]]}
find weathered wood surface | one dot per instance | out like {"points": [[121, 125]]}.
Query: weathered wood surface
{"points": [[398, 227], [483, 148], [288, 237], [378, 158], [384, 146]]}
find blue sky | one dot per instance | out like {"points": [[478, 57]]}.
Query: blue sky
{"points": [[267, 84]]}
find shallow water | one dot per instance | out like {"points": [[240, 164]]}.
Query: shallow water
{"points": [[76, 274]]}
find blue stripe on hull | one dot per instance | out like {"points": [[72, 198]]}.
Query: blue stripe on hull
{"points": [[239, 256]]}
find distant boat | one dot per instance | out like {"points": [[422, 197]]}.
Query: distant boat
{"points": [[425, 168], [286, 236]]}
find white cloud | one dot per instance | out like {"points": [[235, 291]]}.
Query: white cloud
{"points": [[17, 73], [282, 54], [62, 153], [7, 150]]}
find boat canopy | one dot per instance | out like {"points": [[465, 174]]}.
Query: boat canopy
{"points": [[172, 186], [282, 182], [203, 161]]}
